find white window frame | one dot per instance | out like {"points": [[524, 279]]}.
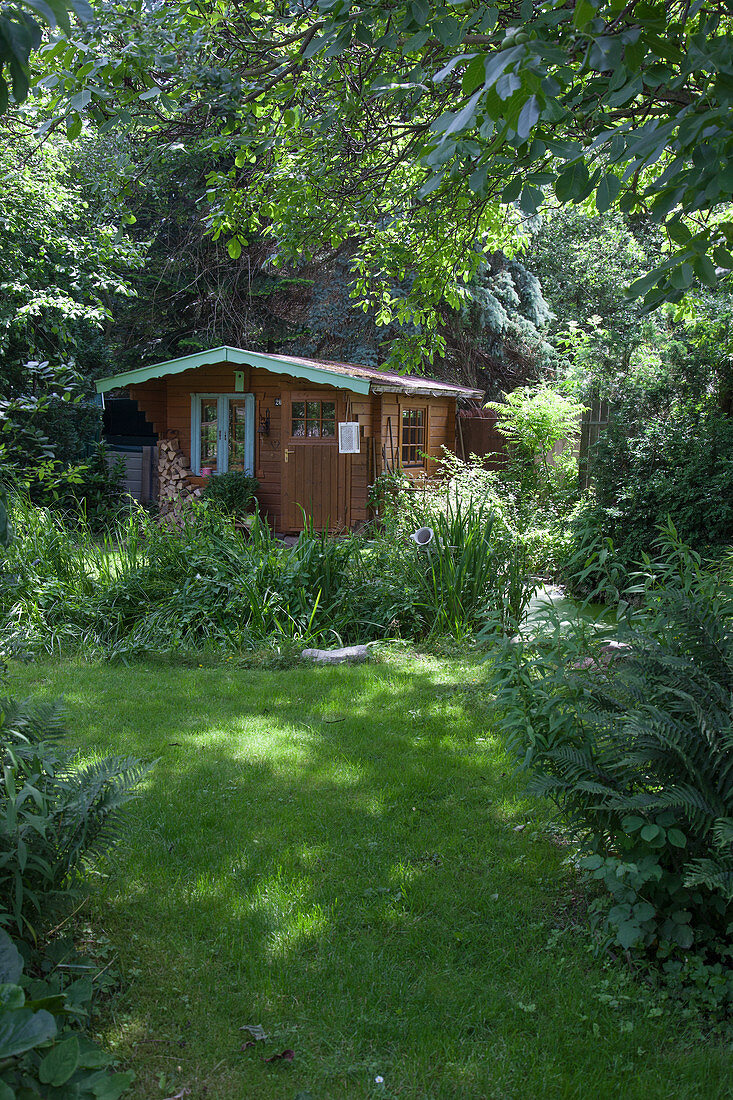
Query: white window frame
{"points": [[222, 419]]}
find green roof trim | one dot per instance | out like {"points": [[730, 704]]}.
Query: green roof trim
{"points": [[241, 358]]}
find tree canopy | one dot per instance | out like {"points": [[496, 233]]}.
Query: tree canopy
{"points": [[420, 138]]}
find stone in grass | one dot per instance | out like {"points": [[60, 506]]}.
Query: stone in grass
{"points": [[351, 653]]}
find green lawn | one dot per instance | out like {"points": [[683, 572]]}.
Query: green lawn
{"points": [[334, 854]]}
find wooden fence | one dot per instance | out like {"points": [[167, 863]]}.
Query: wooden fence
{"points": [[477, 435], [595, 421]]}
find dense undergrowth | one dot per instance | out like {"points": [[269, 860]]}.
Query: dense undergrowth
{"points": [[153, 587], [635, 746], [55, 818]]}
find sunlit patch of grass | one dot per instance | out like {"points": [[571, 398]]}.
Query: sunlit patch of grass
{"points": [[332, 854]]}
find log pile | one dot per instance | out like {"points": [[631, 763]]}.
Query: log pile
{"points": [[174, 478]]}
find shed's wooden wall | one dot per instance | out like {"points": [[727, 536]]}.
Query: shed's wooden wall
{"points": [[166, 402], [441, 427]]}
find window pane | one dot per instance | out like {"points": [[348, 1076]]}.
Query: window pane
{"points": [[413, 436], [299, 428], [329, 410], [328, 428], [298, 410], [313, 410], [209, 433], [313, 428], [237, 423]]}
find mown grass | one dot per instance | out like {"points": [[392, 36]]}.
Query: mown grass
{"points": [[335, 854]]}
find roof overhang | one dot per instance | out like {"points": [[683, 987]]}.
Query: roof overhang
{"points": [[426, 391], [238, 357]]}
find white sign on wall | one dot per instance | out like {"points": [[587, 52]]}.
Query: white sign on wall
{"points": [[349, 440]]}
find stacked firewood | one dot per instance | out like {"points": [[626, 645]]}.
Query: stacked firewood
{"points": [[174, 476]]}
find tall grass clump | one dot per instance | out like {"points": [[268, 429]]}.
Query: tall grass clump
{"points": [[464, 574]]}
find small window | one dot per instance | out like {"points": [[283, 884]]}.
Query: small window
{"points": [[313, 419], [209, 433], [413, 437]]}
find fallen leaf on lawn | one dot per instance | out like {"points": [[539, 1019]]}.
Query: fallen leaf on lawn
{"points": [[180, 1095], [518, 828], [257, 1031], [286, 1056]]}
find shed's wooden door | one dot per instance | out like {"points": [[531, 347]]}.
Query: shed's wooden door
{"points": [[314, 475]]}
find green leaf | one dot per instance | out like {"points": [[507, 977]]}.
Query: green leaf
{"points": [[677, 837], [24, 1029], [464, 117], [112, 1087], [684, 936], [585, 11], [643, 910], [511, 191], [73, 127], [628, 934], [678, 231], [60, 1062], [607, 192], [650, 833], [572, 183], [631, 823], [448, 31], [416, 42], [81, 9], [20, 81], [474, 75], [704, 269], [11, 962], [52, 11], [234, 248], [531, 200], [682, 276], [92, 1056], [641, 286], [528, 117], [81, 99], [477, 179], [11, 996]]}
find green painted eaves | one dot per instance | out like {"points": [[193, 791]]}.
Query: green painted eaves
{"points": [[236, 356]]}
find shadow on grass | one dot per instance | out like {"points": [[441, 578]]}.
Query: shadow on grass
{"points": [[331, 853]]}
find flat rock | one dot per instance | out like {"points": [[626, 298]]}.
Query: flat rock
{"points": [[350, 653]]}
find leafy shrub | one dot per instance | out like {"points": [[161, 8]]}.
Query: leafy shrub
{"points": [[587, 561], [42, 1050], [675, 463], [234, 492], [53, 815], [541, 425], [638, 755]]}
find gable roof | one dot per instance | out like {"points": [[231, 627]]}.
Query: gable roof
{"points": [[346, 376]]}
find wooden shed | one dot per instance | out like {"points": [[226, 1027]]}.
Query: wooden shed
{"points": [[281, 418]]}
